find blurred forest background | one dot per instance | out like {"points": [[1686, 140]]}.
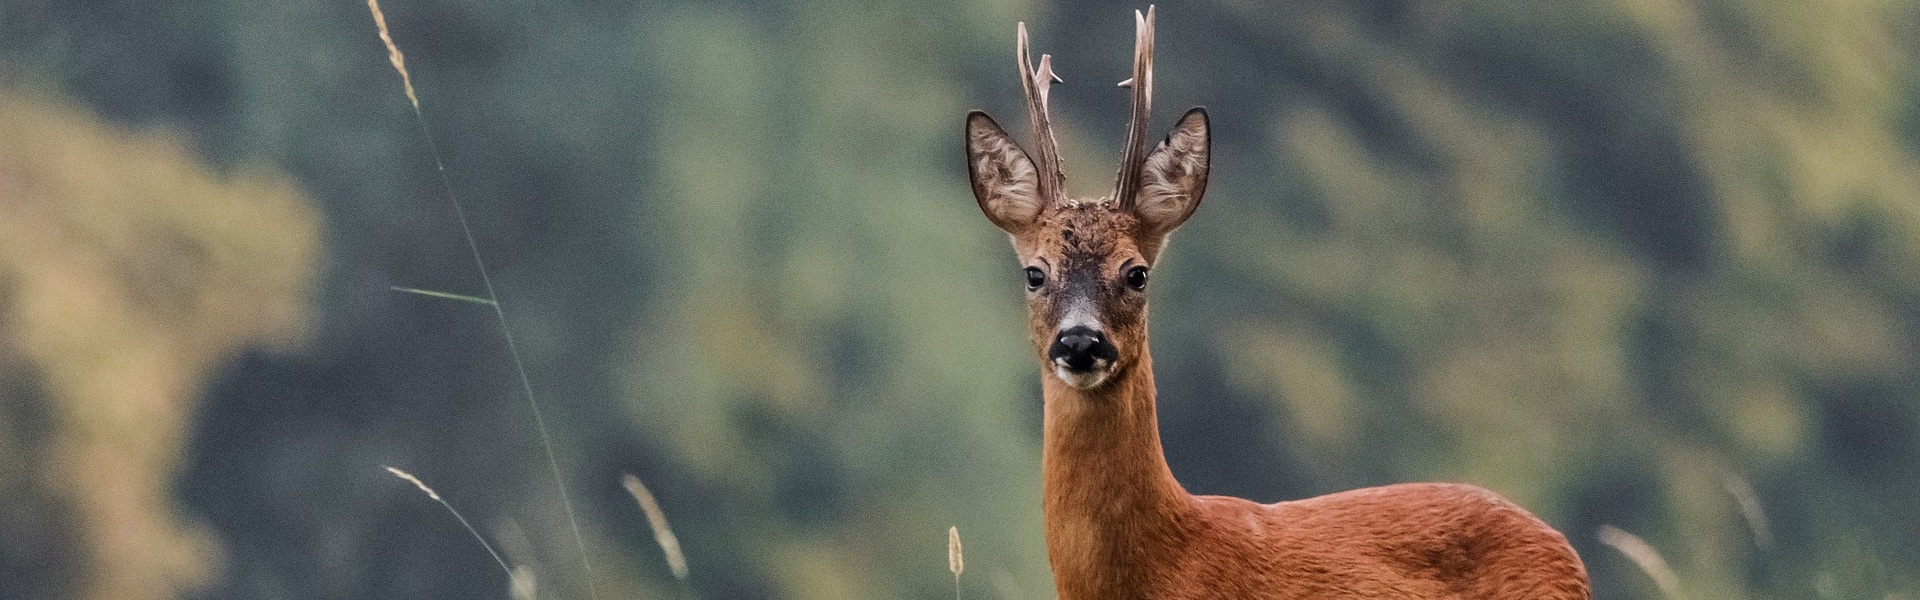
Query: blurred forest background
{"points": [[1652, 264]]}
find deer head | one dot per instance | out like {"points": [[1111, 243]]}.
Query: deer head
{"points": [[1087, 260]]}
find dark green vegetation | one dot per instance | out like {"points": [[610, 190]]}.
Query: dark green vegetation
{"points": [[1611, 259]]}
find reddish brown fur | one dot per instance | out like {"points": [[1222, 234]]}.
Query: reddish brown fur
{"points": [[1117, 523], [1119, 526]]}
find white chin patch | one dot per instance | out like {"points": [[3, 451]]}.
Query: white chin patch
{"points": [[1082, 379]]}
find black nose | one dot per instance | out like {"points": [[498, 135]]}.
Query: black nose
{"points": [[1079, 347]]}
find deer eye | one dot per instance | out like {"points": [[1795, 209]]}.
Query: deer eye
{"points": [[1035, 278], [1137, 278]]}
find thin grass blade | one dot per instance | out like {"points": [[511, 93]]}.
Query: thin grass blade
{"points": [[446, 295]]}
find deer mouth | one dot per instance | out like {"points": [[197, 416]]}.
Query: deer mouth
{"points": [[1083, 378]]}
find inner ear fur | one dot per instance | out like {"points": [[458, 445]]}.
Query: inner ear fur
{"points": [[1005, 181], [1174, 176]]}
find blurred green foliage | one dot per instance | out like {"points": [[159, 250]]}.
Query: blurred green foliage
{"points": [[1622, 261]]}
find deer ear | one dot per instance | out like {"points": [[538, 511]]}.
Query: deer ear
{"points": [[1174, 176], [1005, 181]]}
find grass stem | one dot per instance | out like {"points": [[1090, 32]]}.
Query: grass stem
{"points": [[457, 516], [493, 297]]}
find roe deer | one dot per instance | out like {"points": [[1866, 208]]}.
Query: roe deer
{"points": [[1117, 523]]}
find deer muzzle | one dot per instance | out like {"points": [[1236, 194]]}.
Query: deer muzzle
{"points": [[1081, 356]]}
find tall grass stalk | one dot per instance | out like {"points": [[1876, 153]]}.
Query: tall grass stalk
{"points": [[457, 516], [492, 299], [1644, 556], [1749, 503], [956, 558], [657, 520]]}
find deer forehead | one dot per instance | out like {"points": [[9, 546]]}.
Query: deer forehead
{"points": [[1081, 231]]}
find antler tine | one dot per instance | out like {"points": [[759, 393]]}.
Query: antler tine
{"points": [[1036, 83], [1135, 155]]}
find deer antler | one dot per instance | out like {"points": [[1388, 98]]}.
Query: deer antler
{"points": [[1036, 83], [1135, 155]]}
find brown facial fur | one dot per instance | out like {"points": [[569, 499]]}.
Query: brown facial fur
{"points": [[1085, 249]]}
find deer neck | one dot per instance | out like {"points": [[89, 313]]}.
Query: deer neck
{"points": [[1111, 504]]}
